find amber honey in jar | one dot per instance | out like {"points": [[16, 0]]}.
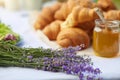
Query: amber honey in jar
{"points": [[106, 38]]}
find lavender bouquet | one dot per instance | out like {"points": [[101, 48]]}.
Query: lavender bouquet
{"points": [[60, 60]]}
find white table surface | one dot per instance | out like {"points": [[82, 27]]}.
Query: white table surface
{"points": [[20, 23]]}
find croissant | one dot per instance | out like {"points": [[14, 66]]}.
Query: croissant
{"points": [[87, 27], [87, 4], [66, 8], [79, 15], [112, 15], [90, 34], [106, 5], [73, 37], [52, 30], [46, 16]]}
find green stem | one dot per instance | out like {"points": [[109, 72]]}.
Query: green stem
{"points": [[5, 63], [11, 55]]}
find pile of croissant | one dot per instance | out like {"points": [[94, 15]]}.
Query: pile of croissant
{"points": [[71, 23]]}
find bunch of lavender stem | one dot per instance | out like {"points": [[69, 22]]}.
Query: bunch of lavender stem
{"points": [[63, 60]]}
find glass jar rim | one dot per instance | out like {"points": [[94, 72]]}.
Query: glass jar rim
{"points": [[114, 22]]}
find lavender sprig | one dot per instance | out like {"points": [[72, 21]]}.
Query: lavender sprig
{"points": [[70, 63], [61, 60]]}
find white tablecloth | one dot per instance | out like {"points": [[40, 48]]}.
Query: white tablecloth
{"points": [[20, 23]]}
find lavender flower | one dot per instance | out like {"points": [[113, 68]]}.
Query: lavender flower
{"points": [[66, 60], [61, 60]]}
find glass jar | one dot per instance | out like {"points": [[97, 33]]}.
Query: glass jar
{"points": [[106, 38]]}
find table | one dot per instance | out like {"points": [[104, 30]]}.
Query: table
{"points": [[20, 23]]}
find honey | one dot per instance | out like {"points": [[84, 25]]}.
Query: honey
{"points": [[106, 41]]}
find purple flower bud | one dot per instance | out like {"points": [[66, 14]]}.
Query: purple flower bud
{"points": [[90, 78], [81, 76], [45, 62], [65, 68], [90, 69], [55, 70], [56, 65], [30, 57], [10, 37], [68, 71], [45, 59], [77, 48], [97, 71]]}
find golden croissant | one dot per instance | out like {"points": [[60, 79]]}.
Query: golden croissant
{"points": [[73, 37], [46, 16], [106, 5], [67, 7], [112, 15], [87, 27], [79, 15], [52, 30]]}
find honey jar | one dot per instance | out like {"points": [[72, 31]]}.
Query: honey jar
{"points": [[106, 38]]}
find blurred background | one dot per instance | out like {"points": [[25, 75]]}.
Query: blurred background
{"points": [[14, 5]]}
